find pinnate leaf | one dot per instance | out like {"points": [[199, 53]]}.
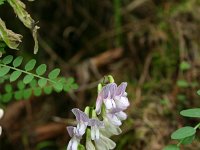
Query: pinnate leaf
{"points": [[17, 61], [37, 91], [54, 73], [30, 65], [48, 89], [7, 97], [8, 88], [15, 75], [42, 82], [183, 133], [33, 83], [4, 70], [58, 86], [20, 85], [27, 93], [41, 69], [8, 59], [28, 78], [194, 112], [18, 95]]}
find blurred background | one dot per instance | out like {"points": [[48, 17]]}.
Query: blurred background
{"points": [[154, 45]]}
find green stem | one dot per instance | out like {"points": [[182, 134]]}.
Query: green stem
{"points": [[197, 126], [25, 72]]}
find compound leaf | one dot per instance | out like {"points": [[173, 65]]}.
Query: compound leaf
{"points": [[4, 70], [41, 69], [15, 75], [28, 78], [42, 82], [30, 65], [8, 59], [17, 61], [54, 73]]}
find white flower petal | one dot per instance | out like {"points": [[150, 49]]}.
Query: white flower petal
{"points": [[114, 119], [109, 103], [110, 129], [109, 143], [121, 115], [80, 129], [1, 113], [121, 102], [104, 143], [94, 133], [89, 145], [73, 144]]}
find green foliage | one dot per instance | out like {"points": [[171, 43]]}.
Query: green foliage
{"points": [[30, 65], [198, 92], [183, 133], [194, 113], [185, 65], [45, 144], [188, 140], [31, 83], [182, 83], [171, 147], [2, 2]]}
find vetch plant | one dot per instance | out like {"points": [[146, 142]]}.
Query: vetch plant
{"points": [[100, 123], [37, 81], [185, 135]]}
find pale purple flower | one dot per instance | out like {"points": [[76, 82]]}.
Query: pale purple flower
{"points": [[82, 121], [115, 100], [75, 139], [113, 97], [76, 133], [106, 93], [116, 116], [1, 115], [120, 97], [95, 126]]}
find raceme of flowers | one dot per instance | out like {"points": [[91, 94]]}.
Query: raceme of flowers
{"points": [[1, 115], [110, 105]]}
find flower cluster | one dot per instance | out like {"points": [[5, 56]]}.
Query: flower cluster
{"points": [[1, 115], [111, 102]]}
